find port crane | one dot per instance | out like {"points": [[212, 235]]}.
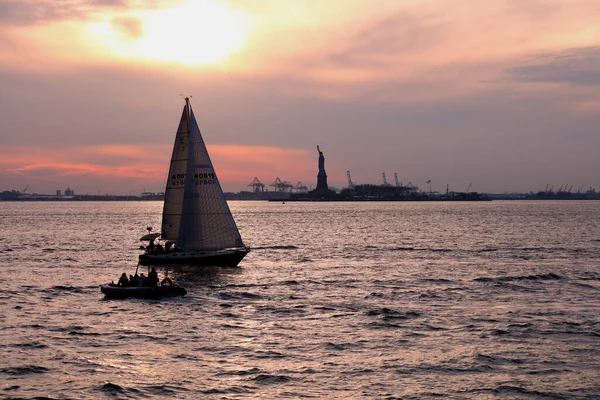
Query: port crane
{"points": [[351, 185], [281, 186], [398, 184], [385, 182], [300, 188], [257, 186]]}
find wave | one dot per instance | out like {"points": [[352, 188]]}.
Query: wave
{"points": [[545, 277], [234, 390], [487, 359], [24, 370], [237, 296], [288, 247], [32, 345], [161, 390], [389, 314], [266, 379], [114, 390], [340, 346], [508, 390], [111, 387], [422, 249], [437, 369], [241, 372], [79, 333], [62, 288], [437, 280]]}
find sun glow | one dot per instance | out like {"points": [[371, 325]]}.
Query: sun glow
{"points": [[197, 32]]}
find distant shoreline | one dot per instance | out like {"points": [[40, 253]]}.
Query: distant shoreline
{"points": [[127, 198], [309, 197]]}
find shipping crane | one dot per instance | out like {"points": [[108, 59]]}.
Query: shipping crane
{"points": [[385, 182], [300, 188], [282, 186], [257, 186], [351, 185], [396, 179]]}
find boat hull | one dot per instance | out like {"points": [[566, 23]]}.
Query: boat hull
{"points": [[229, 258], [120, 292]]}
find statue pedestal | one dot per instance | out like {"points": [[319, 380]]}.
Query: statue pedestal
{"points": [[322, 181]]}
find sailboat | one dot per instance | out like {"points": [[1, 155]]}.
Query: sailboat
{"points": [[197, 225]]}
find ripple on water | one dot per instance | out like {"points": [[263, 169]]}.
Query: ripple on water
{"points": [[348, 300], [237, 296], [543, 277], [267, 379], [24, 370], [115, 390]]}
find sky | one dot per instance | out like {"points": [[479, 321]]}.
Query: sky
{"points": [[498, 95]]}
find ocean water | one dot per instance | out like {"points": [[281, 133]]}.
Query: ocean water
{"points": [[491, 300]]}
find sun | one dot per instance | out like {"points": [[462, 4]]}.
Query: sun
{"points": [[197, 32]]}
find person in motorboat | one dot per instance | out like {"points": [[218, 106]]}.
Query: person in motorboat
{"points": [[123, 280], [134, 280], [143, 280], [153, 278]]}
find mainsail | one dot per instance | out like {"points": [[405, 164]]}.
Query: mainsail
{"points": [[176, 180], [194, 201]]}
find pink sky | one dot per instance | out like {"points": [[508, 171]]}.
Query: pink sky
{"points": [[500, 94]]}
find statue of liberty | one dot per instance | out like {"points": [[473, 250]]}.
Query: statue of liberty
{"points": [[321, 176], [321, 160]]}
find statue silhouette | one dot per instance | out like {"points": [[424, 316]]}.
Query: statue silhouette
{"points": [[321, 161], [321, 176]]}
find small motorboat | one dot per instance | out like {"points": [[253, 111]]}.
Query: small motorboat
{"points": [[165, 289]]}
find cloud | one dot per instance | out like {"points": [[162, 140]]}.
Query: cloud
{"points": [[125, 167], [29, 13], [130, 27], [503, 93], [41, 12], [575, 66]]}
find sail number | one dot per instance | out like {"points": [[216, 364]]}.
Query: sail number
{"points": [[199, 179], [205, 178]]}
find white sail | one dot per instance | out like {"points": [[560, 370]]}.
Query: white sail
{"points": [[206, 221], [176, 180]]}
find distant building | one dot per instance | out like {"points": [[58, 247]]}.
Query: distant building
{"points": [[58, 192], [69, 192]]}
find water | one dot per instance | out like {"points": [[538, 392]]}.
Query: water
{"points": [[337, 300]]}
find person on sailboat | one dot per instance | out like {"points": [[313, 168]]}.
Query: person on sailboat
{"points": [[150, 247], [123, 280], [153, 277]]}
